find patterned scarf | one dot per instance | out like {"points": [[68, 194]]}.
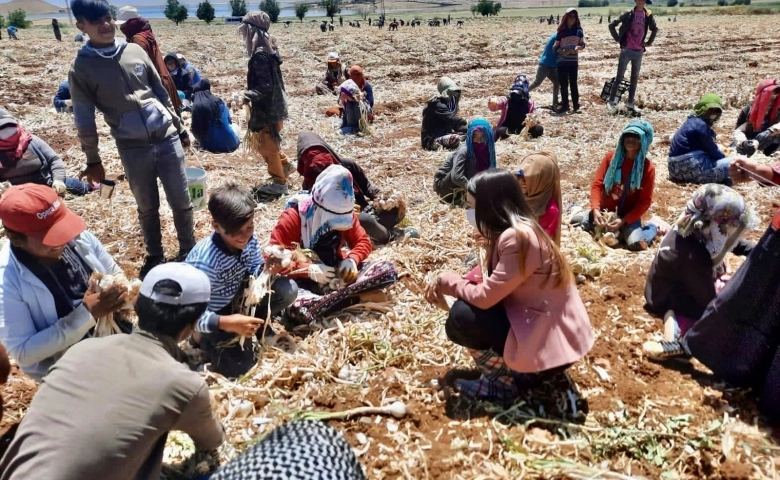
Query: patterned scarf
{"points": [[614, 175], [719, 215], [484, 126], [763, 106], [330, 206]]}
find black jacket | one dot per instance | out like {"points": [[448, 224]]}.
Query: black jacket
{"points": [[182, 78], [265, 90], [437, 121], [625, 21], [681, 277], [738, 337]]}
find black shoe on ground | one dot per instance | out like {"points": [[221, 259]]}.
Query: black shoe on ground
{"points": [[562, 110], [182, 256], [150, 262]]}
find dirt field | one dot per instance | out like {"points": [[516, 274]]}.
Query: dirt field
{"points": [[632, 419]]}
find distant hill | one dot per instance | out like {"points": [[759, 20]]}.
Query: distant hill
{"points": [[31, 7]]}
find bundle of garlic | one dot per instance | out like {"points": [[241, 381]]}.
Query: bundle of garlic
{"points": [[389, 200], [260, 286], [99, 282]]}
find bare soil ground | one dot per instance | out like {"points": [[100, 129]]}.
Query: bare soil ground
{"points": [[631, 419]]}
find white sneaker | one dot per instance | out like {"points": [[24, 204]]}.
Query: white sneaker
{"points": [[633, 108], [612, 107], [610, 239]]}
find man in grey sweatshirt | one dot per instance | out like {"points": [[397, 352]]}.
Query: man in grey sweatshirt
{"points": [[120, 81]]}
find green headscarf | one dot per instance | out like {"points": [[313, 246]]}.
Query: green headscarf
{"points": [[707, 101]]}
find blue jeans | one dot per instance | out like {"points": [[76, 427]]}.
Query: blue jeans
{"points": [[143, 166], [627, 56], [697, 167], [77, 187], [632, 234]]}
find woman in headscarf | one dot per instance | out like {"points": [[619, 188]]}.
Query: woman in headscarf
{"points": [[268, 108], [25, 158], [738, 336], [441, 125], [758, 125], [688, 269], [356, 74], [540, 181], [515, 108], [525, 320], [137, 30], [321, 222], [181, 77], [623, 186], [477, 155], [334, 75], [55, 25], [355, 109], [315, 155], [211, 123], [694, 157]]}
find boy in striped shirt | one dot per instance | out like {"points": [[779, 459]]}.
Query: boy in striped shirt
{"points": [[228, 257]]}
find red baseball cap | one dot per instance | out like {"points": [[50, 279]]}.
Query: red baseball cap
{"points": [[37, 211]]}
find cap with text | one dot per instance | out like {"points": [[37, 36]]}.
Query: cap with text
{"points": [[37, 211]]}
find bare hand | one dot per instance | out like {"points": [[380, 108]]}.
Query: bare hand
{"points": [[434, 296], [615, 225], [184, 138], [598, 219], [478, 238], [273, 265], [241, 324], [110, 300], [736, 172], [94, 173]]}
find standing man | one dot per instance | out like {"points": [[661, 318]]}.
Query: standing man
{"points": [[107, 405], [632, 38], [120, 80], [265, 93]]}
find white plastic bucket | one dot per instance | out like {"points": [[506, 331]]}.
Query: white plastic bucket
{"points": [[196, 184]]}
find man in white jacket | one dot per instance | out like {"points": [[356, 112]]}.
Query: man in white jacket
{"points": [[46, 304]]}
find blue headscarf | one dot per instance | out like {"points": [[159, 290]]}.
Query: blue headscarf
{"points": [[614, 173], [487, 133]]}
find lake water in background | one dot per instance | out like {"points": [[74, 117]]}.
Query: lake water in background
{"points": [[220, 10]]}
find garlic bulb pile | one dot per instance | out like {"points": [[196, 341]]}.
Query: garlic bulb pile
{"points": [[278, 252], [386, 201]]}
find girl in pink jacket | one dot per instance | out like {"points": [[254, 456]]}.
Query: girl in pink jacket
{"points": [[526, 315]]}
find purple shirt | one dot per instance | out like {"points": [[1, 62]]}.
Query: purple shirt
{"points": [[636, 34]]}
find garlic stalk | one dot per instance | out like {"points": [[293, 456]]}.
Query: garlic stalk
{"points": [[396, 409]]}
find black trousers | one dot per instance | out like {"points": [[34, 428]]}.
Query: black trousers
{"points": [[567, 75], [478, 329], [378, 227]]}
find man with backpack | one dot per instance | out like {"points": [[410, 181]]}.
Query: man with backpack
{"points": [[632, 37]]}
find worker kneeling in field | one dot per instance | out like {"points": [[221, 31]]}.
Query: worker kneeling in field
{"points": [[320, 223], [758, 125], [523, 320], [108, 404], [229, 257], [441, 125], [46, 305]]}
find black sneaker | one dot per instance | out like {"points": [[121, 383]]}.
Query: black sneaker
{"points": [[150, 262], [182, 256], [663, 350]]}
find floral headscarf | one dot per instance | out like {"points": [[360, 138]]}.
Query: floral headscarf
{"points": [[719, 214], [330, 206]]}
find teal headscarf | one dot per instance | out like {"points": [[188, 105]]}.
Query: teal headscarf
{"points": [[614, 173], [487, 133]]}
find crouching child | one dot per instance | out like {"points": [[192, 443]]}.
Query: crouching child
{"points": [[229, 257]]}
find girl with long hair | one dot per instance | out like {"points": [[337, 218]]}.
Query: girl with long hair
{"points": [[568, 43], [525, 316]]}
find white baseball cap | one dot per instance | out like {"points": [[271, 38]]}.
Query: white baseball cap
{"points": [[126, 13], [195, 285], [333, 56]]}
